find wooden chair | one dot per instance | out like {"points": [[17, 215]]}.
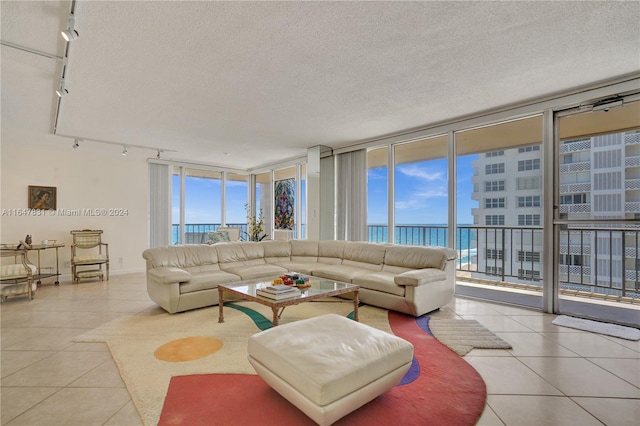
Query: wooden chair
{"points": [[87, 250], [16, 274]]}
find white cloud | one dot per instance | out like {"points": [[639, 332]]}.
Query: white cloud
{"points": [[421, 173]]}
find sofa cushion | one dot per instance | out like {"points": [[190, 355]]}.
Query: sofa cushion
{"points": [[331, 252], [305, 268], [344, 273], [275, 251], [416, 257], [364, 255], [169, 274], [207, 281], [249, 272], [420, 277], [304, 250], [181, 256], [380, 281]]}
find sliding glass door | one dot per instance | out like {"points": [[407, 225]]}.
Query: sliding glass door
{"points": [[597, 223]]}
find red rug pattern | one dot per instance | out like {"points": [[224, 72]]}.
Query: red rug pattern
{"points": [[447, 391]]}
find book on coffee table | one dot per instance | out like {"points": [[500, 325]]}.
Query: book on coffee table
{"points": [[278, 296], [277, 289]]}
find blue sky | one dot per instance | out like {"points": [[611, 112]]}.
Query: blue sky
{"points": [[421, 195]]}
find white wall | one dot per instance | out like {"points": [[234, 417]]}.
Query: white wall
{"points": [[96, 177]]}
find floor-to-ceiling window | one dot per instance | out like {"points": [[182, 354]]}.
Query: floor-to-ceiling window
{"points": [[378, 194], [598, 217], [202, 204], [262, 200], [420, 192], [177, 228], [235, 197], [302, 203], [197, 203], [499, 207]]}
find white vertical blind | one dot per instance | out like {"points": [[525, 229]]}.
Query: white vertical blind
{"points": [[159, 205], [351, 196]]}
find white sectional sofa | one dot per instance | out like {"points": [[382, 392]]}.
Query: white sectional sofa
{"points": [[409, 279]]}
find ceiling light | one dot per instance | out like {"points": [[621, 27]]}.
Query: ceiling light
{"points": [[76, 144], [124, 150], [62, 90], [70, 33]]}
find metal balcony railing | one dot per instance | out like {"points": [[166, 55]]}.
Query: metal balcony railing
{"points": [[595, 260], [198, 233]]}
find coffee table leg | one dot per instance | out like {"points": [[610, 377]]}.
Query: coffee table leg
{"points": [[356, 302], [220, 304], [276, 317]]}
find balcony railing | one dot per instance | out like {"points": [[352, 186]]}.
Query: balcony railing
{"points": [[198, 233], [595, 260]]}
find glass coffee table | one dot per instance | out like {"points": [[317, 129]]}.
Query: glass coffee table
{"points": [[320, 287]]}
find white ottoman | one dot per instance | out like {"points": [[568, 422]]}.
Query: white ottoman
{"points": [[328, 366]]}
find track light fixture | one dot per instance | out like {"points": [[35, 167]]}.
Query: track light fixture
{"points": [[70, 33], [62, 90], [76, 144], [124, 150]]}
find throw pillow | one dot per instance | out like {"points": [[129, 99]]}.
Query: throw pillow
{"points": [[218, 237]]}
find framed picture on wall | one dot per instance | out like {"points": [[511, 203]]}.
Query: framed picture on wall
{"points": [[284, 204], [42, 197]]}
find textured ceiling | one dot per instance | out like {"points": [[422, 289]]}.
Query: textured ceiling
{"points": [[263, 81]]}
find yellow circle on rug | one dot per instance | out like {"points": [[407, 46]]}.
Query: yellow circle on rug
{"points": [[188, 349]]}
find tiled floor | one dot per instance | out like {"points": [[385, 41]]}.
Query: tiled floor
{"points": [[552, 376]]}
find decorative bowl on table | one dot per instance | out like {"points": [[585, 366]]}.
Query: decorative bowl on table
{"points": [[302, 284]]}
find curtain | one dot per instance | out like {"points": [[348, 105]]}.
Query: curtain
{"points": [[159, 205], [351, 196]]}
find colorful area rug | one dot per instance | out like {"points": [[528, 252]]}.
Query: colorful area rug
{"points": [[187, 369]]}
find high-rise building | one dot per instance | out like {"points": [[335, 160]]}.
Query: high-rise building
{"points": [[599, 179]]}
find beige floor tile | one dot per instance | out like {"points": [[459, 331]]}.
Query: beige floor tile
{"points": [[75, 406], [592, 345], [580, 377], [631, 344], [12, 361], [610, 411], [626, 369], [489, 418], [516, 410], [127, 416], [509, 376], [541, 323], [106, 375], [57, 370], [534, 344], [12, 336], [469, 307], [16, 401], [54, 339], [499, 323]]}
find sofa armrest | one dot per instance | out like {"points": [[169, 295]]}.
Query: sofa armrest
{"points": [[169, 274], [420, 276]]}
